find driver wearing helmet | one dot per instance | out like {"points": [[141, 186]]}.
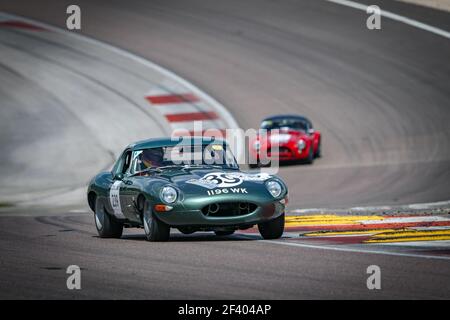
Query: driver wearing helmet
{"points": [[151, 158]]}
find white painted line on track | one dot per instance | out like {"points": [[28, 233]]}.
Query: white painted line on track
{"points": [[414, 206], [78, 211], [310, 246], [396, 17], [420, 244], [430, 228], [429, 205], [406, 220]]}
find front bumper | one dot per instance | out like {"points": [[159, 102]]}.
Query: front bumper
{"points": [[180, 216], [286, 152]]}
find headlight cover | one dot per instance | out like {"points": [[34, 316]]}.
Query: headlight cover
{"points": [[301, 144], [274, 188], [169, 194]]}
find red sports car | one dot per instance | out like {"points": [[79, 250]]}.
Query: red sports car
{"points": [[295, 138]]}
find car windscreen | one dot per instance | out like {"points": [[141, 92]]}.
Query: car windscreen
{"points": [[183, 155], [284, 123]]}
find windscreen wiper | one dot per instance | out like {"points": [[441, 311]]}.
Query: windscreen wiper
{"points": [[208, 166], [171, 166], [151, 169]]}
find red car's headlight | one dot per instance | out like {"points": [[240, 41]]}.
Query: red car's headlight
{"points": [[301, 144]]}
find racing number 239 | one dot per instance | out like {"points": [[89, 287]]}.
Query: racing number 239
{"points": [[222, 179], [114, 199]]}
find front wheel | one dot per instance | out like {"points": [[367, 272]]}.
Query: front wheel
{"points": [[310, 158], [106, 225], [255, 165], [272, 229], [155, 230], [319, 150]]}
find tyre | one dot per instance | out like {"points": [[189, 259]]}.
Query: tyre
{"points": [[155, 230], [107, 226], [310, 158], [255, 165], [319, 150], [224, 233], [272, 229]]}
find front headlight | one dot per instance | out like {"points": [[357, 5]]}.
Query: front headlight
{"points": [[301, 144], [169, 194], [274, 188]]}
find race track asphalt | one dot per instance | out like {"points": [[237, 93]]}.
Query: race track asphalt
{"points": [[380, 98], [199, 266]]}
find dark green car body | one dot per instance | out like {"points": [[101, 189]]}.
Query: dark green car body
{"points": [[241, 199]]}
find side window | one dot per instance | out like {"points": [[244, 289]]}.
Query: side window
{"points": [[135, 162], [126, 163], [122, 163]]}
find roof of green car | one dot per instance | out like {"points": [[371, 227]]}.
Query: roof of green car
{"points": [[173, 141]]}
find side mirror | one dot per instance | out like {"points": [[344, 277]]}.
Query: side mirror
{"points": [[311, 131], [118, 176]]}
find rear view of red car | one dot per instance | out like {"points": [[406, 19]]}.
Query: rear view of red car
{"points": [[286, 138]]}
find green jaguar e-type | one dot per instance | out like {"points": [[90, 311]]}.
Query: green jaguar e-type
{"points": [[188, 183]]}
